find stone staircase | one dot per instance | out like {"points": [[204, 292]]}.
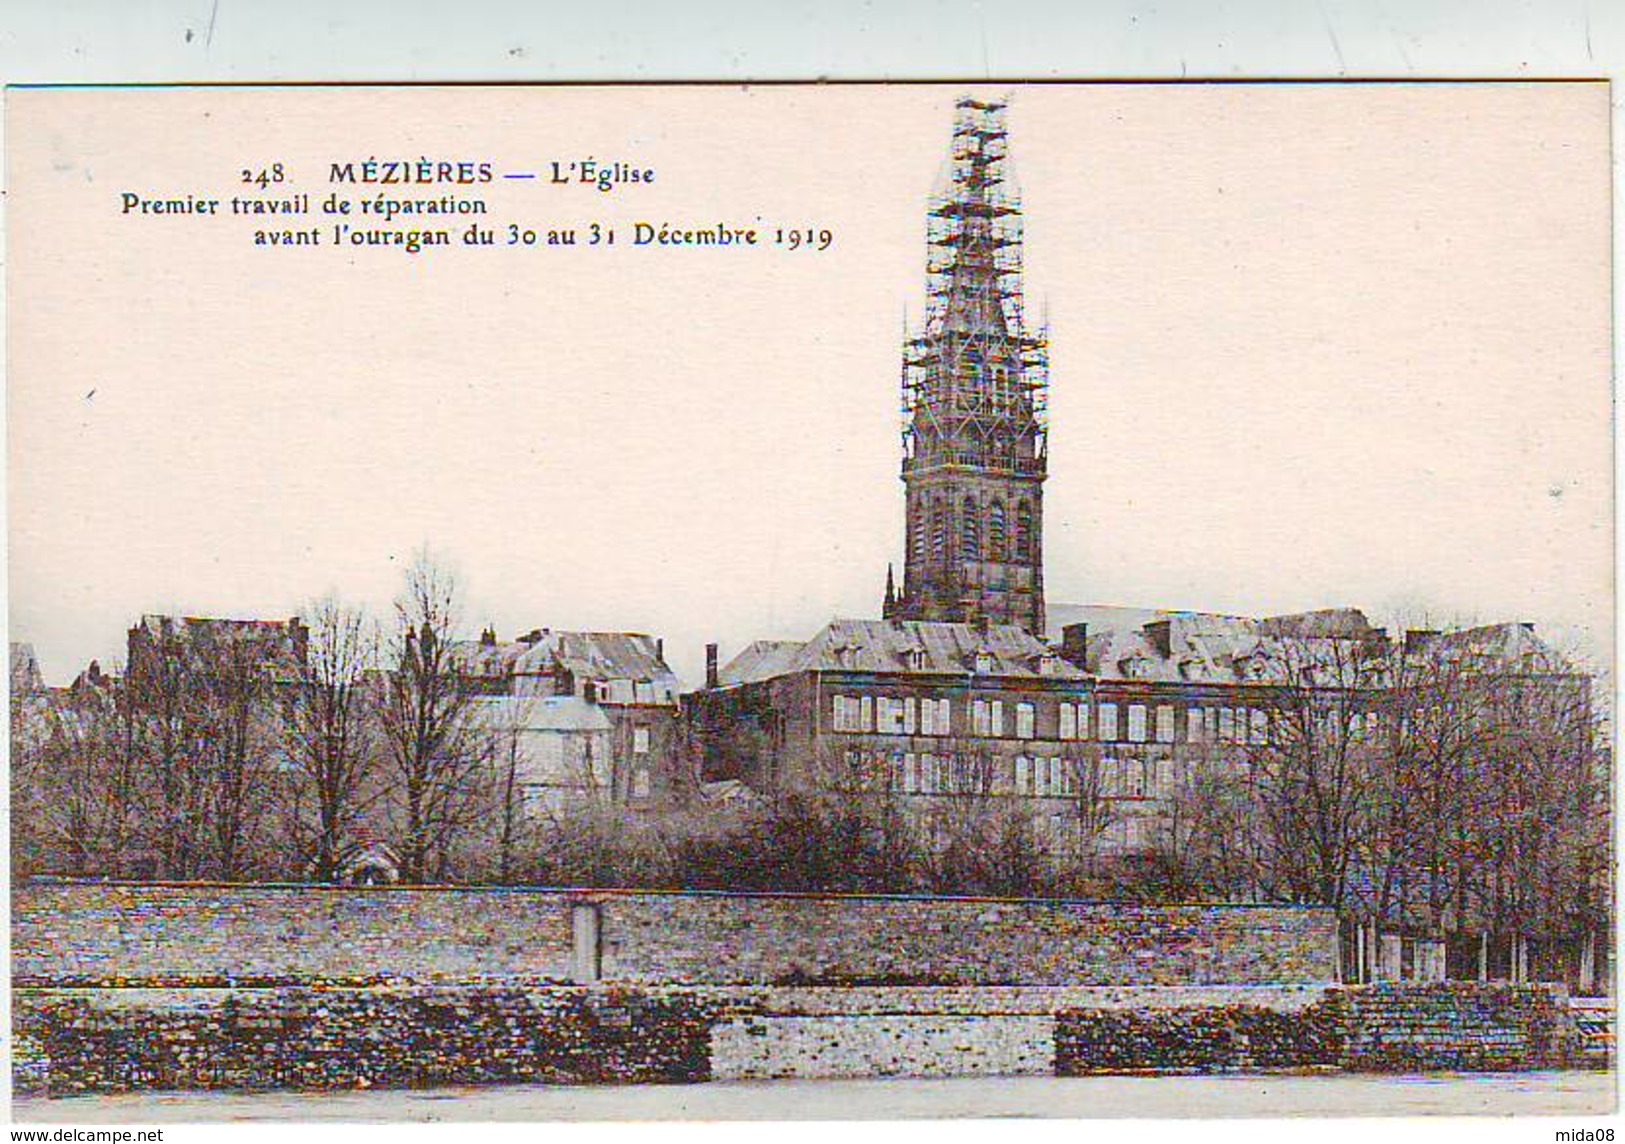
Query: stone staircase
{"points": [[1595, 1018]]}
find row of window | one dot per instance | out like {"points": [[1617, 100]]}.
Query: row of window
{"points": [[1106, 722], [628, 691], [929, 773], [1129, 832], [890, 716]]}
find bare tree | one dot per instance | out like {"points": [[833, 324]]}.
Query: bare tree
{"points": [[422, 714], [237, 733], [1540, 822], [1432, 739], [1091, 809], [1211, 846], [77, 797], [497, 736], [1308, 764], [165, 711], [512, 810], [1450, 783], [972, 836], [31, 768], [330, 735]]}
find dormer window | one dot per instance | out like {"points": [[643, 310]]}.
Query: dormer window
{"points": [[914, 658], [1135, 667], [984, 662], [1047, 664]]}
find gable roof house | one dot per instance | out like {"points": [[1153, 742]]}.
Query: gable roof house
{"points": [[583, 692]]}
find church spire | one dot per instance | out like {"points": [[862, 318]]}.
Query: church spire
{"points": [[975, 379]]}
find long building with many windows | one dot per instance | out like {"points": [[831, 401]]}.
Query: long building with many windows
{"points": [[1093, 734]]}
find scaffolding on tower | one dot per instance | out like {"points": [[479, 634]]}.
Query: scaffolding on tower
{"points": [[975, 376]]}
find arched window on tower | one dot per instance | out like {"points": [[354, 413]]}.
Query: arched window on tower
{"points": [[996, 532], [918, 531], [939, 530], [1024, 530], [970, 531]]}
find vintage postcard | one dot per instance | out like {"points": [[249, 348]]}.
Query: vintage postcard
{"points": [[790, 601]]}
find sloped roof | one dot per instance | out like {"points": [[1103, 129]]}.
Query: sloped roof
{"points": [[760, 660], [905, 646], [1206, 647], [613, 655], [1508, 645], [592, 655], [1324, 623]]}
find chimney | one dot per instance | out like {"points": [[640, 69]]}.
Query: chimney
{"points": [[710, 666], [660, 649], [1075, 644], [488, 637]]}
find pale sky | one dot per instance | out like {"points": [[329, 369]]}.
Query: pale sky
{"points": [[1312, 345]]}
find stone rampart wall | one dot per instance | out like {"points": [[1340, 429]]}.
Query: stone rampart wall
{"points": [[652, 938], [182, 934]]}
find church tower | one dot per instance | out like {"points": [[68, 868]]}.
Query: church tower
{"points": [[974, 385]]}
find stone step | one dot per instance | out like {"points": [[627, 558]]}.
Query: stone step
{"points": [[1596, 1021]]}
